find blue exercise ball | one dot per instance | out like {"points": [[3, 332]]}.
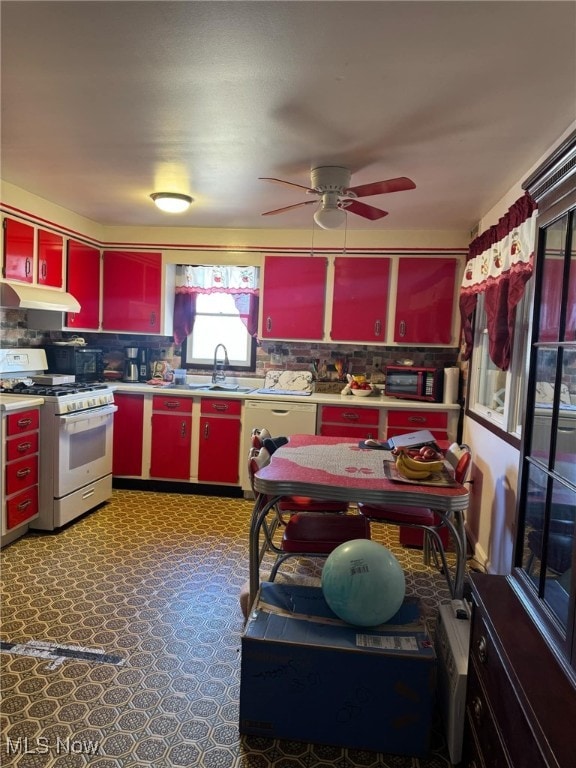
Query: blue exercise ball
{"points": [[363, 583]]}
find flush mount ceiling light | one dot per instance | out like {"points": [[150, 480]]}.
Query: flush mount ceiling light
{"points": [[330, 217], [330, 214], [172, 202]]}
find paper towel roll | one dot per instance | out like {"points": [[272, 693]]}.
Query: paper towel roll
{"points": [[451, 381]]}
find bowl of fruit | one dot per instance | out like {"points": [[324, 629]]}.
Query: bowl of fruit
{"points": [[360, 387]]}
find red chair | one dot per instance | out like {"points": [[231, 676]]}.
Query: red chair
{"points": [[291, 504], [305, 534], [432, 523]]}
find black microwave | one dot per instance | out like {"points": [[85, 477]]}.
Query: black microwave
{"points": [[85, 363], [413, 383]]}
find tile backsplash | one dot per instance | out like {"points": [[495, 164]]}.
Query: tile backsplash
{"points": [[322, 358]]}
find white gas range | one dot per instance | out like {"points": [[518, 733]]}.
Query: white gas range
{"points": [[76, 428]]}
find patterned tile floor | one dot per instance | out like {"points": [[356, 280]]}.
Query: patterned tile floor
{"points": [[150, 580]]}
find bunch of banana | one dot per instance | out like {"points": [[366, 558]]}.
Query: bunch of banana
{"points": [[416, 470]]}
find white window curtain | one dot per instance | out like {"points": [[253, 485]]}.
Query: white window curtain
{"points": [[500, 261]]}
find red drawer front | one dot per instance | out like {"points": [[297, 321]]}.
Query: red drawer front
{"points": [[418, 420], [23, 421], [170, 404], [361, 432], [210, 406], [21, 474], [353, 416], [21, 446], [22, 507]]}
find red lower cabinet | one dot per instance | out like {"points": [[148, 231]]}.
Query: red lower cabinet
{"points": [[401, 422], [219, 448], [21, 470], [347, 421], [171, 437], [128, 435]]}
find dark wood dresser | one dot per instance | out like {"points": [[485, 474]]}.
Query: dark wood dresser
{"points": [[521, 702]]}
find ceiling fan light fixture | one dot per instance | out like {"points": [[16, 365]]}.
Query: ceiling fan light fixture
{"points": [[330, 217], [172, 202]]}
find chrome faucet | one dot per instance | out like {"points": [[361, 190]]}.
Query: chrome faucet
{"points": [[218, 372]]}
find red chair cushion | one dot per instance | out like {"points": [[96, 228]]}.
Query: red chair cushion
{"points": [[396, 513], [306, 504], [316, 533]]}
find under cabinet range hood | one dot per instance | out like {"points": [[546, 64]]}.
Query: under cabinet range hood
{"points": [[23, 296]]}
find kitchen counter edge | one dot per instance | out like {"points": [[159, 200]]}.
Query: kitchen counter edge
{"points": [[10, 403], [318, 398]]}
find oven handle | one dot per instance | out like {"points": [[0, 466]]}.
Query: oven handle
{"points": [[88, 416]]}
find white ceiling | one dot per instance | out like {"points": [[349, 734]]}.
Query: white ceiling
{"points": [[104, 103]]}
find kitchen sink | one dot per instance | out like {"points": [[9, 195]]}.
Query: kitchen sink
{"points": [[220, 388]]}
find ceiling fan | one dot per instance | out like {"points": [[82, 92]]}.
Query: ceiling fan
{"points": [[330, 185]]}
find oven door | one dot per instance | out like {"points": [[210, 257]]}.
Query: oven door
{"points": [[84, 448]]}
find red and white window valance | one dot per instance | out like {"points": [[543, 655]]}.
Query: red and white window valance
{"points": [[213, 278], [500, 261]]}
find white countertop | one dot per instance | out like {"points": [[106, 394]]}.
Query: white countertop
{"points": [[18, 402], [318, 398]]}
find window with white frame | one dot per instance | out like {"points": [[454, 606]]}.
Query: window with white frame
{"points": [[496, 296], [216, 304], [219, 321], [494, 394]]}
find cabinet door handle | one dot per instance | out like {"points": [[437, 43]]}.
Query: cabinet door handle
{"points": [[28, 267], [183, 429], [402, 328], [24, 422], [477, 709], [23, 472], [268, 323], [417, 419], [377, 328], [44, 270], [23, 447], [350, 416], [206, 431], [482, 648], [152, 318], [24, 505]]}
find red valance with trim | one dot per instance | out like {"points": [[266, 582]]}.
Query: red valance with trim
{"points": [[500, 262]]}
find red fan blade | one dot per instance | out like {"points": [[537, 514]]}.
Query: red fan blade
{"points": [[289, 207], [361, 209], [380, 187], [285, 183]]}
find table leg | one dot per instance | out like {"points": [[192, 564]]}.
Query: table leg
{"points": [[262, 506]]}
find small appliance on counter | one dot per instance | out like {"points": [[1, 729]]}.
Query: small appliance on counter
{"points": [[143, 372], [85, 363], [414, 383], [131, 368]]}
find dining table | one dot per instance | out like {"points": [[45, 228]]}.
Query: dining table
{"points": [[344, 469]]}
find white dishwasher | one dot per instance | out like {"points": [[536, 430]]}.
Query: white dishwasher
{"points": [[280, 418]]}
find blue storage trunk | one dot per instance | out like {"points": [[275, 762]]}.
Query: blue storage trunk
{"points": [[308, 676]]}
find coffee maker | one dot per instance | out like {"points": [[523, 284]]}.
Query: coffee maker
{"points": [[143, 373], [131, 364]]}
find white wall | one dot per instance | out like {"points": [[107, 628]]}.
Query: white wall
{"points": [[495, 468]]}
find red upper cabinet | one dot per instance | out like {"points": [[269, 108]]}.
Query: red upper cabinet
{"points": [[360, 299], [83, 282], [50, 248], [425, 301], [18, 251], [132, 292], [294, 290]]}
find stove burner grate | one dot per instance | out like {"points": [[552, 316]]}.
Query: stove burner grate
{"points": [[54, 390]]}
